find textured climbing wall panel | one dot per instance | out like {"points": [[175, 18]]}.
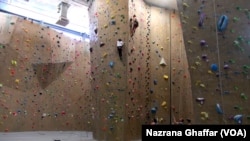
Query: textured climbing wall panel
{"points": [[44, 79], [164, 88], [153, 54], [148, 92], [6, 28], [181, 93], [219, 60], [108, 23]]}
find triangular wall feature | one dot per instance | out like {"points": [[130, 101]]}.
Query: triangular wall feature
{"points": [[163, 62], [48, 72]]}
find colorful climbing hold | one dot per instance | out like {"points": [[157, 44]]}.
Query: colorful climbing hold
{"points": [[200, 100], [204, 115], [165, 77], [243, 96], [111, 64], [14, 63], [238, 118], [214, 67], [164, 104], [218, 109], [162, 62], [222, 23], [155, 82], [185, 4], [203, 43], [153, 110]]}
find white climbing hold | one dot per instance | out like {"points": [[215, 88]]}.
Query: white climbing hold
{"points": [[163, 62]]}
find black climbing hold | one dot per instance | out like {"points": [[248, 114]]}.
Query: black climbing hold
{"points": [[102, 44], [96, 31], [112, 22], [91, 49]]}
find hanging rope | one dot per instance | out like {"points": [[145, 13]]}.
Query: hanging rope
{"points": [[218, 49]]}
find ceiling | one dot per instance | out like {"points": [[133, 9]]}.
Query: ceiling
{"points": [[47, 11], [168, 4]]}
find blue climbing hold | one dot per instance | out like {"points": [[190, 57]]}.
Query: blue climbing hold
{"points": [[155, 82], [218, 109], [153, 110], [222, 23], [214, 67], [111, 64], [238, 118]]}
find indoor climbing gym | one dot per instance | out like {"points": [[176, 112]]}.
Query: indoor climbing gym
{"points": [[124, 70]]}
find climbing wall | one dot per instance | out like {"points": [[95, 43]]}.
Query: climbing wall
{"points": [[159, 80], [108, 23], [44, 79], [219, 59], [151, 84]]}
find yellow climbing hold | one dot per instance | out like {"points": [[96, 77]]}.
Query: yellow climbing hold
{"points": [[185, 4], [164, 103], [195, 28], [204, 115], [184, 22], [197, 63], [27, 40], [105, 55], [192, 67], [197, 82], [13, 62], [209, 72], [186, 17], [17, 81], [202, 85], [165, 77], [190, 42], [1, 85], [161, 120]]}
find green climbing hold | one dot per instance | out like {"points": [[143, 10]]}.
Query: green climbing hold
{"points": [[236, 43], [236, 88], [118, 75], [238, 8], [235, 19], [245, 67], [248, 42], [240, 38], [231, 61], [243, 96], [237, 107]]}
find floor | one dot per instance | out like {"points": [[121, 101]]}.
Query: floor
{"points": [[47, 136]]}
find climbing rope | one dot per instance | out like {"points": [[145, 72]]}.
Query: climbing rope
{"points": [[147, 73], [219, 68]]}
